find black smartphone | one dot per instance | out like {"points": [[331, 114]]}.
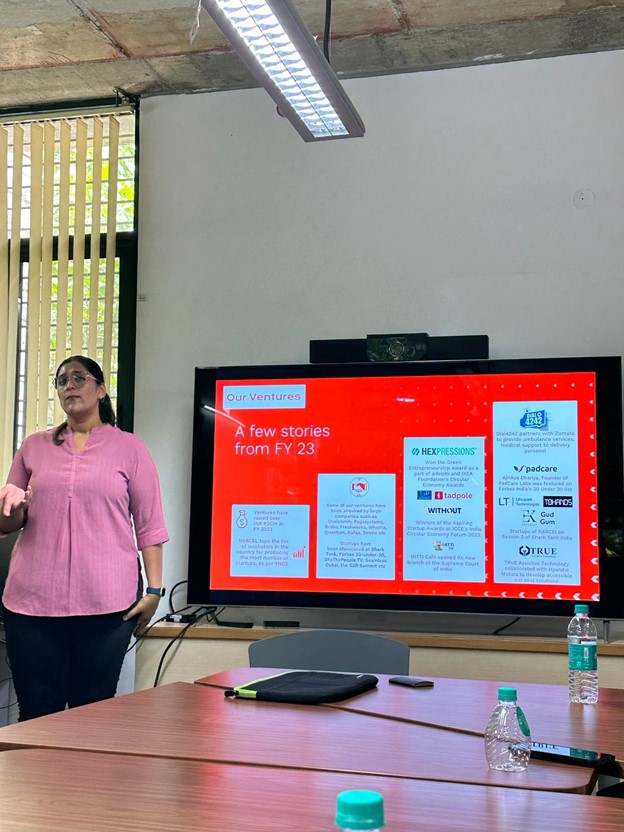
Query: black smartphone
{"points": [[411, 682], [571, 756]]}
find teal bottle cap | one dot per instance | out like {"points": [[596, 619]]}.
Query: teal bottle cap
{"points": [[508, 694], [581, 608], [359, 809]]}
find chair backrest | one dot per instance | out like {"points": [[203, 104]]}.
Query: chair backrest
{"points": [[6, 548], [346, 650]]}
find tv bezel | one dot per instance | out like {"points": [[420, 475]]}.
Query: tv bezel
{"points": [[609, 460]]}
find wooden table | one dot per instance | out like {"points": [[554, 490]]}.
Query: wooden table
{"points": [[196, 722], [466, 704], [64, 791]]}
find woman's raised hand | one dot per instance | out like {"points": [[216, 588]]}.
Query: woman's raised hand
{"points": [[13, 498]]}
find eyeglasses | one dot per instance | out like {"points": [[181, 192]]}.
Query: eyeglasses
{"points": [[78, 380]]}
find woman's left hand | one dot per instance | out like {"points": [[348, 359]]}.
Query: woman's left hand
{"points": [[144, 611]]}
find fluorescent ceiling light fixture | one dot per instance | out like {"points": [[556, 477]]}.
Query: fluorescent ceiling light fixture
{"points": [[278, 50]]}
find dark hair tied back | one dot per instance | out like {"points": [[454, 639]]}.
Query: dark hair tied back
{"points": [[107, 414]]}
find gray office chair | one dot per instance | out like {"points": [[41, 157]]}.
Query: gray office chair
{"points": [[346, 650], [6, 547]]}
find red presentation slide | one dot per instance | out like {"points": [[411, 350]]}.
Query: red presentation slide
{"points": [[481, 485]]}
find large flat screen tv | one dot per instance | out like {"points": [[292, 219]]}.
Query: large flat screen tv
{"points": [[490, 486]]}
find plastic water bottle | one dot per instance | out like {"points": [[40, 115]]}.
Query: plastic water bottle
{"points": [[359, 809], [507, 735], [582, 657]]}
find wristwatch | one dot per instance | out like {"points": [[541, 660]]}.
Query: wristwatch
{"points": [[156, 590]]}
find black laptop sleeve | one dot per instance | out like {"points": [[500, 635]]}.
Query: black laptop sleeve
{"points": [[305, 687]]}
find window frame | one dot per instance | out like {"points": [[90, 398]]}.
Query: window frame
{"points": [[126, 247]]}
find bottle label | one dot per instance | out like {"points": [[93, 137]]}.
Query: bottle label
{"points": [[522, 722], [583, 656]]}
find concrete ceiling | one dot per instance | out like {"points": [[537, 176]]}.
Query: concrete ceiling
{"points": [[67, 50]]}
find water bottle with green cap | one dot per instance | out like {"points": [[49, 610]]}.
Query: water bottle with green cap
{"points": [[359, 809], [582, 657], [507, 735]]}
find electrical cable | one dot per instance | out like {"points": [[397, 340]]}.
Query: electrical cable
{"points": [[215, 620], [166, 650], [171, 591], [166, 617], [8, 679], [328, 10], [139, 638], [213, 614], [207, 612], [505, 626]]}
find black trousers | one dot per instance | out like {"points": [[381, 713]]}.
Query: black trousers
{"points": [[64, 662]]}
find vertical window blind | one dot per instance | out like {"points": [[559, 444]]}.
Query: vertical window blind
{"points": [[66, 191]]}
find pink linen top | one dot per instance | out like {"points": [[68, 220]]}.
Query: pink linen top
{"points": [[90, 510]]}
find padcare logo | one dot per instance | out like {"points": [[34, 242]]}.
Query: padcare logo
{"points": [[536, 469]]}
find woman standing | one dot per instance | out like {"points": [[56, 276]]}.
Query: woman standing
{"points": [[87, 496]]}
